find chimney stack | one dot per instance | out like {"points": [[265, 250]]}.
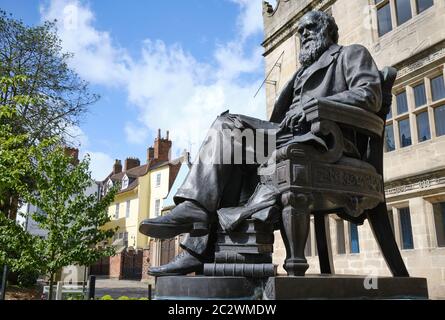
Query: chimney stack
{"points": [[131, 163], [117, 167], [161, 149], [150, 154], [73, 153]]}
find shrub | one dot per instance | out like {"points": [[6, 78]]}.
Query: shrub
{"points": [[108, 297], [75, 296], [27, 278]]}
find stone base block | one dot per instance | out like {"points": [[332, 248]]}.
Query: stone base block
{"points": [[344, 287], [309, 287], [201, 287]]}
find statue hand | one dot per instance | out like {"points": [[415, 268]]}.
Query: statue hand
{"points": [[291, 117], [295, 118], [311, 103]]}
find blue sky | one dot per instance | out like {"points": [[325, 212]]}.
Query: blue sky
{"points": [[173, 65]]}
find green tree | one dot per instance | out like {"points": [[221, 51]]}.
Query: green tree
{"points": [[48, 100], [45, 176], [73, 219], [36, 53], [17, 170], [16, 151]]}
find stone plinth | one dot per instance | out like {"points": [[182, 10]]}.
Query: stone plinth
{"points": [[344, 287], [289, 288], [201, 287]]}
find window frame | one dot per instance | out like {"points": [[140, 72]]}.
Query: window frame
{"points": [[431, 78], [435, 204], [379, 6], [158, 180], [394, 16], [405, 117], [340, 236], [127, 209], [435, 104], [401, 235], [125, 238], [396, 6], [125, 182], [116, 210], [350, 238], [415, 85], [424, 110], [417, 7], [393, 136], [414, 111], [157, 208], [401, 91]]}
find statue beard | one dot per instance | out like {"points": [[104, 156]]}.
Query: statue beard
{"points": [[312, 50]]}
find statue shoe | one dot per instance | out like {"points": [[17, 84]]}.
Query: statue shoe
{"points": [[184, 263], [186, 217]]}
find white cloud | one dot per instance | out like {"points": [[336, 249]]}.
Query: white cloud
{"points": [[76, 137], [136, 133], [170, 88], [174, 92], [101, 164], [232, 60], [250, 20], [96, 58]]}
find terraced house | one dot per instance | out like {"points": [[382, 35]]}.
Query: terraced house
{"points": [[142, 188], [408, 35]]}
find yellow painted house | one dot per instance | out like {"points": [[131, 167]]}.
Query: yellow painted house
{"points": [[142, 190]]}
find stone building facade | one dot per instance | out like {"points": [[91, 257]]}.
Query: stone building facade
{"points": [[409, 35]]}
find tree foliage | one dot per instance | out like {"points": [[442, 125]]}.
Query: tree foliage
{"points": [[73, 218], [16, 151], [41, 97], [46, 176], [17, 169], [36, 53]]}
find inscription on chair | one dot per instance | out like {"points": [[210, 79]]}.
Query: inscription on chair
{"points": [[329, 178], [347, 179]]}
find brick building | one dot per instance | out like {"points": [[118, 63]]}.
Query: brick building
{"points": [[409, 35]]}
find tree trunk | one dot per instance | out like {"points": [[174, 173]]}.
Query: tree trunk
{"points": [[4, 203], [51, 281], [9, 205], [13, 207]]}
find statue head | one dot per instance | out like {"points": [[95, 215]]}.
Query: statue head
{"points": [[317, 31]]}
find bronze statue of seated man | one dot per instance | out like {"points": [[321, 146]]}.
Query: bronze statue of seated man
{"points": [[345, 74]]}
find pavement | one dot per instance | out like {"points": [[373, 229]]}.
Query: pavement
{"points": [[118, 288]]}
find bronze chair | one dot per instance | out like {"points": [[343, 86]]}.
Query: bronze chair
{"points": [[321, 183]]}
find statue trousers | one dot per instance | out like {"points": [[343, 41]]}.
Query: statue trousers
{"points": [[225, 171]]}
